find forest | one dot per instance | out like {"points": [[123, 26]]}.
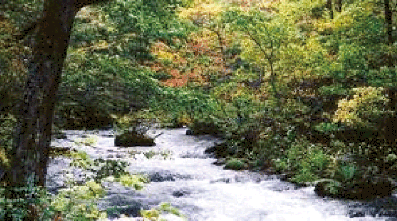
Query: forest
{"points": [[304, 89]]}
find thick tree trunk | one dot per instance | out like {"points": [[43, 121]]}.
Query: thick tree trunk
{"points": [[33, 132]]}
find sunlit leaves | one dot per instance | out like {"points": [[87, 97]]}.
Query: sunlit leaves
{"points": [[367, 103]]}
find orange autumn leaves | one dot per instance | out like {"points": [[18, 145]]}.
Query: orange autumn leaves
{"points": [[183, 64]]}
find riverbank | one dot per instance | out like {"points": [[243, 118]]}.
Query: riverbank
{"points": [[184, 176]]}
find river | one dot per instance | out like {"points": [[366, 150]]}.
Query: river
{"points": [[185, 177]]}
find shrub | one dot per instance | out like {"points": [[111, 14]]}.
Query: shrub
{"points": [[154, 214], [78, 202], [307, 162], [234, 164], [367, 103]]}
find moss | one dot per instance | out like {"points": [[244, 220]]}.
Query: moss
{"points": [[234, 164], [131, 139]]}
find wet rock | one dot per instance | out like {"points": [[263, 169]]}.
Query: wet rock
{"points": [[166, 176], [56, 151], [355, 189], [354, 214], [220, 150], [221, 180], [121, 200], [59, 135], [279, 187], [380, 207], [132, 210], [189, 132], [180, 193], [158, 177], [326, 187], [220, 162], [132, 139], [55, 174], [194, 155], [200, 128]]}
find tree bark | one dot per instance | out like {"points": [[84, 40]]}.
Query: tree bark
{"points": [[389, 30], [389, 22], [330, 8], [338, 5], [33, 131]]}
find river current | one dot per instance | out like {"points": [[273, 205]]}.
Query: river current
{"points": [[182, 175]]}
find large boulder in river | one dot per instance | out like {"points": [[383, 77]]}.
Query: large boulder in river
{"points": [[132, 139]]}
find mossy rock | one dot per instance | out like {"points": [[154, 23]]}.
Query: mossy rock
{"points": [[357, 190], [201, 128], [132, 139], [221, 150], [234, 164]]}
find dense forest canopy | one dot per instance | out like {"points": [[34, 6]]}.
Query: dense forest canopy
{"points": [[306, 88]]}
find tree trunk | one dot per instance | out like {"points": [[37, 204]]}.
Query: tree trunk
{"points": [[33, 131], [389, 30], [330, 8], [389, 22], [338, 5]]}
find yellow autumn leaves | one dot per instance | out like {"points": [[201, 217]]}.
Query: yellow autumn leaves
{"points": [[366, 103]]}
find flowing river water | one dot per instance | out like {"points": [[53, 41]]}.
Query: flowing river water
{"points": [[182, 175]]}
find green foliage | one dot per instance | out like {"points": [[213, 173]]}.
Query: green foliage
{"points": [[165, 154], [154, 214], [367, 103], [167, 207], [105, 168], [306, 161], [234, 164], [78, 202], [91, 140], [97, 86], [186, 106], [13, 202], [327, 127], [7, 124], [81, 159], [275, 79]]}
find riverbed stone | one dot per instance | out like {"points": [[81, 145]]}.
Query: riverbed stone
{"points": [[132, 139], [180, 193], [189, 132], [220, 162]]}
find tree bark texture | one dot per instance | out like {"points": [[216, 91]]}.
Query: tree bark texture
{"points": [[389, 22], [33, 132], [330, 8], [389, 30]]}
